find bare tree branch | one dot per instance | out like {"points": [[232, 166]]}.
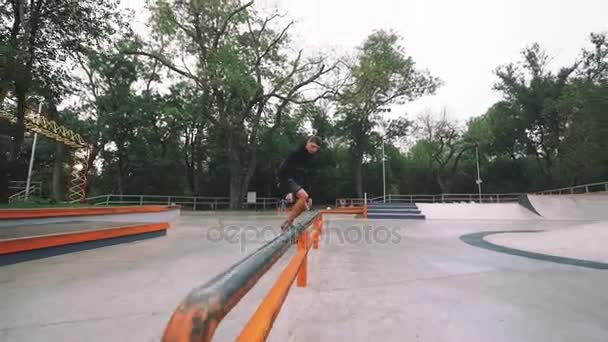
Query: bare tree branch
{"points": [[166, 63], [274, 43], [89, 74], [226, 22]]}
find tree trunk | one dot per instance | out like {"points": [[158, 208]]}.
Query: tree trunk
{"points": [[359, 175], [58, 172], [5, 146], [443, 183], [249, 173], [120, 176], [190, 175], [4, 180], [19, 131], [198, 176], [235, 184], [549, 170], [235, 173], [14, 148], [3, 93], [235, 189]]}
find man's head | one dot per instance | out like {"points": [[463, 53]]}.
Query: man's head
{"points": [[313, 144]]}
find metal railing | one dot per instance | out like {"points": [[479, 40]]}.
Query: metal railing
{"points": [[577, 189], [186, 202], [17, 186], [35, 190], [197, 317], [350, 202], [439, 198], [477, 198]]}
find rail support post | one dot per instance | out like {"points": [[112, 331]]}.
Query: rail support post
{"points": [[302, 248], [316, 235], [320, 225], [365, 206]]}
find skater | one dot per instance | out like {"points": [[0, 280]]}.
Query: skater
{"points": [[292, 178]]}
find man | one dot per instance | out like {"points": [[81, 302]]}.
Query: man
{"points": [[292, 178]]}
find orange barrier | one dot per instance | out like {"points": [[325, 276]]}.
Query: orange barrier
{"points": [[89, 211], [198, 316], [60, 239], [260, 324]]}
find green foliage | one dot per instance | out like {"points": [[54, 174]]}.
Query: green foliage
{"points": [[212, 102], [382, 75]]}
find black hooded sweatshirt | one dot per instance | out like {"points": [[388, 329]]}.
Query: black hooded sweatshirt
{"points": [[296, 165]]}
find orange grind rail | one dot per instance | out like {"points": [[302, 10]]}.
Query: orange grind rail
{"points": [[259, 326]]}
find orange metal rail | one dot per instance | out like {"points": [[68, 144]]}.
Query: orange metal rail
{"points": [[259, 326], [198, 316]]}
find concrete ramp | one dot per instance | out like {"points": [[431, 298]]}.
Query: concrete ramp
{"points": [[476, 211], [593, 206]]}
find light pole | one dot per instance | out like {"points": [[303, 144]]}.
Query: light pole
{"points": [[382, 110], [29, 172], [478, 181]]}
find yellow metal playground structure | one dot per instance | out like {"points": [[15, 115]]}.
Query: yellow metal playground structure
{"points": [[79, 148]]}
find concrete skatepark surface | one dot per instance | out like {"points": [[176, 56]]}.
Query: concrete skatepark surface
{"points": [[388, 280]]}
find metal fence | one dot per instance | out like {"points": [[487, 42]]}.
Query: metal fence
{"points": [[440, 198], [214, 203], [186, 202], [578, 189], [18, 190], [476, 198], [17, 186]]}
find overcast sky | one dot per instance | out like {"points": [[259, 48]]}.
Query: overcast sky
{"points": [[460, 41]]}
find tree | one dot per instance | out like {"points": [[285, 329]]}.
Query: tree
{"points": [[582, 155], [533, 93], [444, 143], [244, 74], [381, 76], [37, 37]]}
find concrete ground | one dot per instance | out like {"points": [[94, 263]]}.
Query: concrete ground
{"points": [[370, 280]]}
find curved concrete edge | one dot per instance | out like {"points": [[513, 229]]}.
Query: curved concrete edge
{"points": [[591, 206], [167, 214], [524, 201], [477, 240]]}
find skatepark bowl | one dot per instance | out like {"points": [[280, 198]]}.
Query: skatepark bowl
{"points": [[533, 270]]}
